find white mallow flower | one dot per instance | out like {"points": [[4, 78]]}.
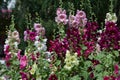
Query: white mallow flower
{"points": [[68, 66], [44, 41], [99, 38], [44, 47], [48, 54], [2, 61], [37, 37], [111, 17], [37, 43], [39, 48], [4, 0], [108, 16], [11, 4], [114, 18], [3, 78], [16, 45], [7, 41]]}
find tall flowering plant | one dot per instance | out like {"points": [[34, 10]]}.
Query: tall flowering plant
{"points": [[36, 57], [12, 52], [34, 63], [85, 52], [80, 50]]}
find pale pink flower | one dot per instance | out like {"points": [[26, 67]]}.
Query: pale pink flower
{"points": [[61, 16], [81, 14], [84, 21], [9, 10], [59, 11], [3, 10], [23, 62], [37, 26], [15, 34], [75, 23]]}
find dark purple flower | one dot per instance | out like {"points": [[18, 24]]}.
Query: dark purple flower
{"points": [[106, 78], [110, 37], [33, 57], [24, 76], [52, 77]]}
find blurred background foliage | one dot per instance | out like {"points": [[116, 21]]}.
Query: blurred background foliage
{"points": [[46, 10]]}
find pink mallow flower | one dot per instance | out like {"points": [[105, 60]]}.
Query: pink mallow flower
{"points": [[61, 16], [116, 69], [37, 26], [80, 14], [23, 62], [26, 34], [59, 11], [18, 54]]}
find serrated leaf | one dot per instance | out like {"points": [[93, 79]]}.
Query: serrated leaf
{"points": [[87, 63]]}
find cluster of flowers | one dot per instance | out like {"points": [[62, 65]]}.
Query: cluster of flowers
{"points": [[36, 45], [111, 17], [26, 64], [71, 60], [79, 51], [110, 37], [11, 46], [35, 36], [84, 38], [78, 20]]}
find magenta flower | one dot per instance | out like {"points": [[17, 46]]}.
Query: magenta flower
{"points": [[32, 36], [116, 69], [106, 78], [52, 77], [8, 56], [110, 37], [33, 57], [24, 76], [23, 62], [18, 54]]}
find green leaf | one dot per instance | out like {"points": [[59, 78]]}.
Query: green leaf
{"points": [[116, 53], [99, 68], [75, 78], [87, 63], [84, 47], [58, 62], [85, 74]]}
